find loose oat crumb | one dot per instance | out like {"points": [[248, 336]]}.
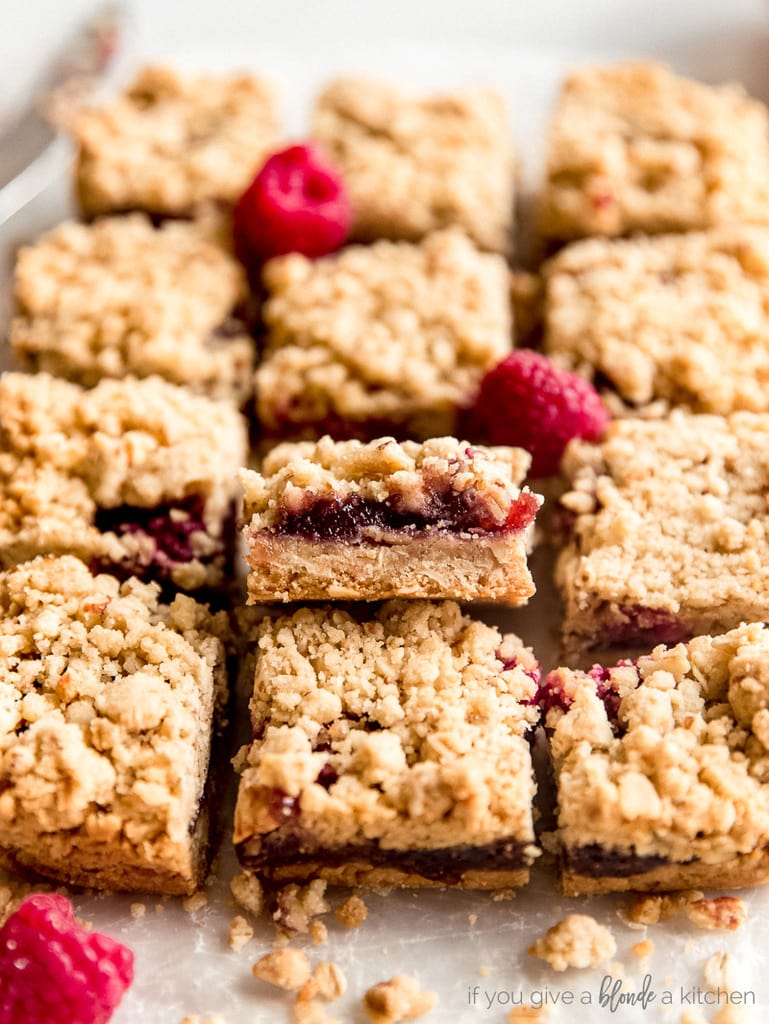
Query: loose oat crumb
{"points": [[502, 895], [725, 912], [248, 893], [330, 981], [296, 905], [138, 910], [484, 971], [159, 908], [643, 950], [644, 909], [718, 971], [352, 913], [311, 1011], [196, 902], [473, 919], [286, 968], [398, 999], [527, 1013], [318, 932], [240, 933], [577, 941]]}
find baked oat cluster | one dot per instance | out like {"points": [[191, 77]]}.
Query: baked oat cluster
{"points": [[633, 147], [135, 476], [387, 338], [390, 747], [121, 297], [679, 318], [173, 142], [415, 164], [663, 781], [106, 708]]}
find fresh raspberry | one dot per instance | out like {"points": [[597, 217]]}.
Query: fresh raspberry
{"points": [[52, 971], [296, 203], [528, 402]]}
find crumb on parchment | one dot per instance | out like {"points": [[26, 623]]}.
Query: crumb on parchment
{"points": [[285, 968], [195, 902], [723, 912], [352, 913], [530, 1014], [247, 892], [577, 941], [239, 933], [643, 950], [318, 932], [644, 909], [398, 999], [138, 910], [296, 905]]}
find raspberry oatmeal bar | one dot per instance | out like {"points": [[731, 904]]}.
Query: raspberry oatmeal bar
{"points": [[120, 297], [173, 142], [391, 338], [662, 768], [683, 318], [390, 749], [667, 530], [136, 477], [414, 164], [634, 148], [352, 521], [106, 708]]}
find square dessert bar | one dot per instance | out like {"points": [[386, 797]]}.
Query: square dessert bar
{"points": [[172, 142], [390, 749], [135, 477], [121, 297], [667, 526], [414, 164], [353, 521], [633, 147], [662, 767], [106, 708], [391, 338], [683, 318]]}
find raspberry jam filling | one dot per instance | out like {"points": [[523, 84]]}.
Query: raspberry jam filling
{"points": [[170, 527], [645, 626], [355, 518], [291, 844], [596, 861]]}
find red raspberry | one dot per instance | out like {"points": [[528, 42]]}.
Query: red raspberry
{"points": [[528, 402], [52, 971], [296, 203]]}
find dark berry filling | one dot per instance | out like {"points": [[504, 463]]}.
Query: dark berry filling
{"points": [[350, 518], [643, 625], [596, 861], [170, 527], [553, 695]]}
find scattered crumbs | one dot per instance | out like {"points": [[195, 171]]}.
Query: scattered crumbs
{"points": [[645, 909], [643, 950], [286, 968], [239, 934], [693, 1016], [484, 971], [352, 913], [723, 912], [296, 905], [329, 981], [473, 919], [318, 932], [718, 971], [247, 892], [196, 902], [138, 910], [527, 1013], [398, 999], [577, 941], [502, 895]]}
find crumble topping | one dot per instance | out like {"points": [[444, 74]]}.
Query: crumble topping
{"points": [[386, 332], [296, 905], [106, 704], [633, 147], [172, 141], [119, 296], [352, 913], [670, 516], [577, 941], [417, 714], [413, 164], [687, 773], [382, 470], [284, 968], [645, 908], [726, 913], [680, 317], [248, 893], [398, 999], [66, 453]]}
